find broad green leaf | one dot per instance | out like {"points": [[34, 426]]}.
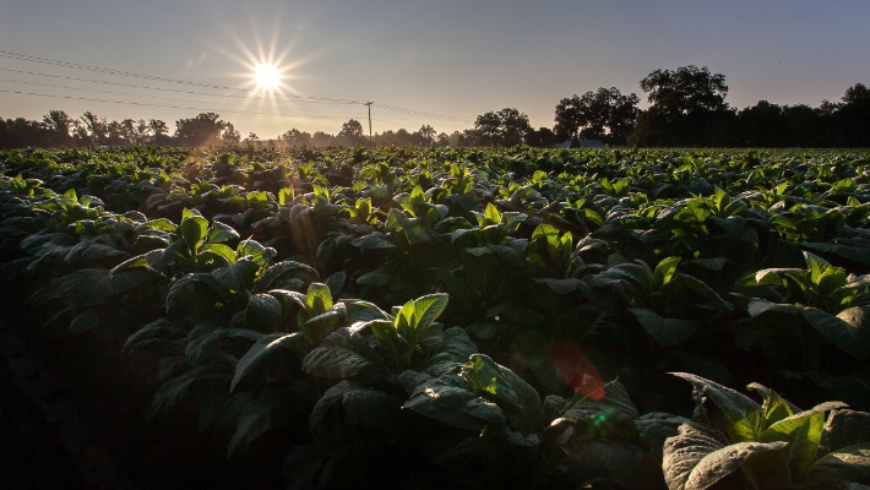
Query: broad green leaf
{"points": [[655, 427], [264, 305], [845, 428], [220, 233], [817, 265], [236, 276], [337, 363], [803, 432], [446, 399], [492, 216], [734, 404], [713, 298], [275, 407], [176, 389], [265, 349], [318, 299], [222, 251], [564, 286], [260, 254], [455, 349], [194, 230], [852, 339], [161, 224], [336, 282], [845, 465], [695, 460], [320, 326], [665, 331], [332, 395], [370, 407], [426, 309], [112, 319], [275, 275], [666, 270]]}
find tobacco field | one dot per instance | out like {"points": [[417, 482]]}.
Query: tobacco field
{"points": [[457, 318]]}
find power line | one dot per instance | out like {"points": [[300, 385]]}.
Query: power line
{"points": [[125, 95], [159, 105], [161, 89], [64, 64], [394, 120], [419, 113], [79, 66]]}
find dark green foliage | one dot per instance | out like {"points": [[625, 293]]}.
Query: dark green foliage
{"points": [[413, 307]]}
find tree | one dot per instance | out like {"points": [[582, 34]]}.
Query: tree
{"points": [[542, 138], [294, 137], [230, 137], [503, 128], [688, 108], [603, 115], [352, 133], [98, 128], [202, 130], [157, 127], [59, 124], [853, 117], [857, 94], [427, 132], [687, 90], [321, 139], [488, 128], [761, 125], [352, 128], [21, 133], [514, 126]]}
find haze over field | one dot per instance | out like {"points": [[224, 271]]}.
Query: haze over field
{"points": [[455, 60]]}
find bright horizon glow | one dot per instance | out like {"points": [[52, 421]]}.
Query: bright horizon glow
{"points": [[267, 77], [458, 59]]}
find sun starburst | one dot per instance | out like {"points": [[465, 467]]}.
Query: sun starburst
{"points": [[267, 77]]}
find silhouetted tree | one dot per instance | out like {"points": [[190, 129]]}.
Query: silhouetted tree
{"points": [[506, 127], [59, 124], [202, 130], [428, 133], [542, 138], [688, 108], [321, 139], [853, 117], [294, 137], [603, 115], [230, 137]]}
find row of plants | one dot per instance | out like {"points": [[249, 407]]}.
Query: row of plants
{"points": [[543, 298]]}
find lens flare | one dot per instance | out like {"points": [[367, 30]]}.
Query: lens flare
{"points": [[574, 367]]}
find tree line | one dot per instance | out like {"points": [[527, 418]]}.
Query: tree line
{"points": [[687, 108]]}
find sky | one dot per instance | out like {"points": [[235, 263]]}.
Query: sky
{"points": [[436, 63]]}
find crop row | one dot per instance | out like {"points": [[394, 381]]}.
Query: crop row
{"points": [[543, 296]]}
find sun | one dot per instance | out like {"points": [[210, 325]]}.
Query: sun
{"points": [[267, 76]]}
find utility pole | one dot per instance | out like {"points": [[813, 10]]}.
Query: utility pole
{"points": [[370, 121]]}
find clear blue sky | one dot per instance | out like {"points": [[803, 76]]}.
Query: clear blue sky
{"points": [[454, 58]]}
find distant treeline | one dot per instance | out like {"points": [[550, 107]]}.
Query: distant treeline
{"points": [[687, 108]]}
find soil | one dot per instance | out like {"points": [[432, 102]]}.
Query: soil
{"points": [[72, 415]]}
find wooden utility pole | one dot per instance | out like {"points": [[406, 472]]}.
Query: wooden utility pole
{"points": [[370, 121]]}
